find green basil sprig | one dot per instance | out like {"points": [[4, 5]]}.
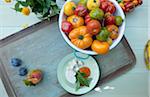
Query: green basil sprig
{"points": [[81, 80]]}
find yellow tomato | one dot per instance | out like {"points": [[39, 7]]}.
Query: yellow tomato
{"points": [[25, 11], [76, 21], [69, 8], [100, 47], [92, 4]]}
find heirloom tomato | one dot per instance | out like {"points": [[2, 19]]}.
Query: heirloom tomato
{"points": [[80, 37], [76, 21]]}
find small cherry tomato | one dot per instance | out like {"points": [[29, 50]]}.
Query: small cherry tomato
{"points": [[118, 20]]}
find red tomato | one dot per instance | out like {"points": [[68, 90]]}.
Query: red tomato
{"points": [[109, 20], [102, 0], [87, 18], [94, 27], [108, 6], [80, 10], [66, 27], [86, 71], [129, 6]]}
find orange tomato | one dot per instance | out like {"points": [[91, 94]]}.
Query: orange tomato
{"points": [[113, 29], [86, 71], [100, 47], [76, 21], [114, 35], [80, 37]]}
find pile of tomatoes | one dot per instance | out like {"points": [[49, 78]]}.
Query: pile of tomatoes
{"points": [[129, 5], [91, 24]]}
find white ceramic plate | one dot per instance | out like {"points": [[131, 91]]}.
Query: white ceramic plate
{"points": [[71, 88]]}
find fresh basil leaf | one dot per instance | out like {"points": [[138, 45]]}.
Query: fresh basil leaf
{"points": [[83, 74], [82, 80]]}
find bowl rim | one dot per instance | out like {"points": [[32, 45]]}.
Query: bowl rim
{"points": [[90, 52]]}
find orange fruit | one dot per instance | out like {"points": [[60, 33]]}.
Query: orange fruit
{"points": [[25, 11], [86, 71], [100, 47]]}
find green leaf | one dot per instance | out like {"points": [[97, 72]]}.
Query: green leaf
{"points": [[56, 9], [83, 74], [30, 3], [17, 5], [119, 1], [48, 3], [82, 80], [17, 8], [45, 10], [28, 83], [25, 4], [53, 3], [41, 2]]}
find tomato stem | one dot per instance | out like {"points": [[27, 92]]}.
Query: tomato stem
{"points": [[81, 37]]}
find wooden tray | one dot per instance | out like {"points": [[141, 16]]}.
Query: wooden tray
{"points": [[42, 46]]}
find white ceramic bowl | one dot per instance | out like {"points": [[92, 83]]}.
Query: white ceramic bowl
{"points": [[118, 12]]}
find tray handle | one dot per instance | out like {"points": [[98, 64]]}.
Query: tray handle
{"points": [[81, 56]]}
